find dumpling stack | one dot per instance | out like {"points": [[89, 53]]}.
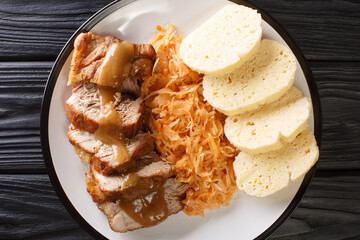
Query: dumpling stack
{"points": [[250, 80]]}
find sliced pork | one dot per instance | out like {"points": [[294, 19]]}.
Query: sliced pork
{"points": [[83, 108], [125, 178], [131, 86], [90, 51], [150, 168], [121, 222], [103, 155]]}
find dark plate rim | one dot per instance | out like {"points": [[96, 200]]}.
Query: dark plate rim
{"points": [[87, 26]]}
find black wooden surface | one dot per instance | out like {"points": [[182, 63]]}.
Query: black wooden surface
{"points": [[32, 32]]}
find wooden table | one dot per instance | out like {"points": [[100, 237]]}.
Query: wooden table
{"points": [[32, 33]]}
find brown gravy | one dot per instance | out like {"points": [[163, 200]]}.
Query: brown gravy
{"points": [[144, 200], [109, 130], [146, 203], [117, 64]]}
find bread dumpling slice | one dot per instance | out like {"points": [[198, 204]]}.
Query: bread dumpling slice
{"points": [[223, 42], [263, 79], [273, 124], [263, 174]]}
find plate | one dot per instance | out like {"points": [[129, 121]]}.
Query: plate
{"points": [[246, 217]]}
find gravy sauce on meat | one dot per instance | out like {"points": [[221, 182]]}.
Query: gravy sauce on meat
{"points": [[149, 207], [109, 130], [144, 201], [117, 64]]}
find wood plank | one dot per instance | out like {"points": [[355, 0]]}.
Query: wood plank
{"points": [[324, 30], [20, 149], [329, 210], [30, 209], [40, 30], [339, 89], [21, 91]]}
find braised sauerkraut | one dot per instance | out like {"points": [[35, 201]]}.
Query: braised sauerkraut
{"points": [[188, 131]]}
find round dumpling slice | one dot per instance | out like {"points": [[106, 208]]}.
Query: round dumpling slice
{"points": [[224, 42], [269, 127], [261, 80], [264, 174]]}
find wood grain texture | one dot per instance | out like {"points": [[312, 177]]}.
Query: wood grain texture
{"points": [[37, 30], [329, 210], [30, 209], [324, 29], [20, 111], [33, 32], [339, 87], [21, 89]]}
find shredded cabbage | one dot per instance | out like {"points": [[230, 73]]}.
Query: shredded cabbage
{"points": [[188, 131]]}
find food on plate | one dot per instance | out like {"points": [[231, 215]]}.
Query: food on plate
{"points": [[103, 155], [188, 132], [149, 121], [128, 181], [268, 128], [224, 42], [85, 116], [148, 168], [265, 77], [267, 117], [121, 222], [107, 61], [263, 174]]}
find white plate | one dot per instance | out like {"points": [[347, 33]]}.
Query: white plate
{"points": [[135, 21]]}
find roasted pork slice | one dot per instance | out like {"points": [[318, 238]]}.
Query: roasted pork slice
{"points": [[150, 168], [83, 140], [83, 108], [131, 86], [103, 159], [131, 112], [120, 221], [94, 57], [151, 165]]}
